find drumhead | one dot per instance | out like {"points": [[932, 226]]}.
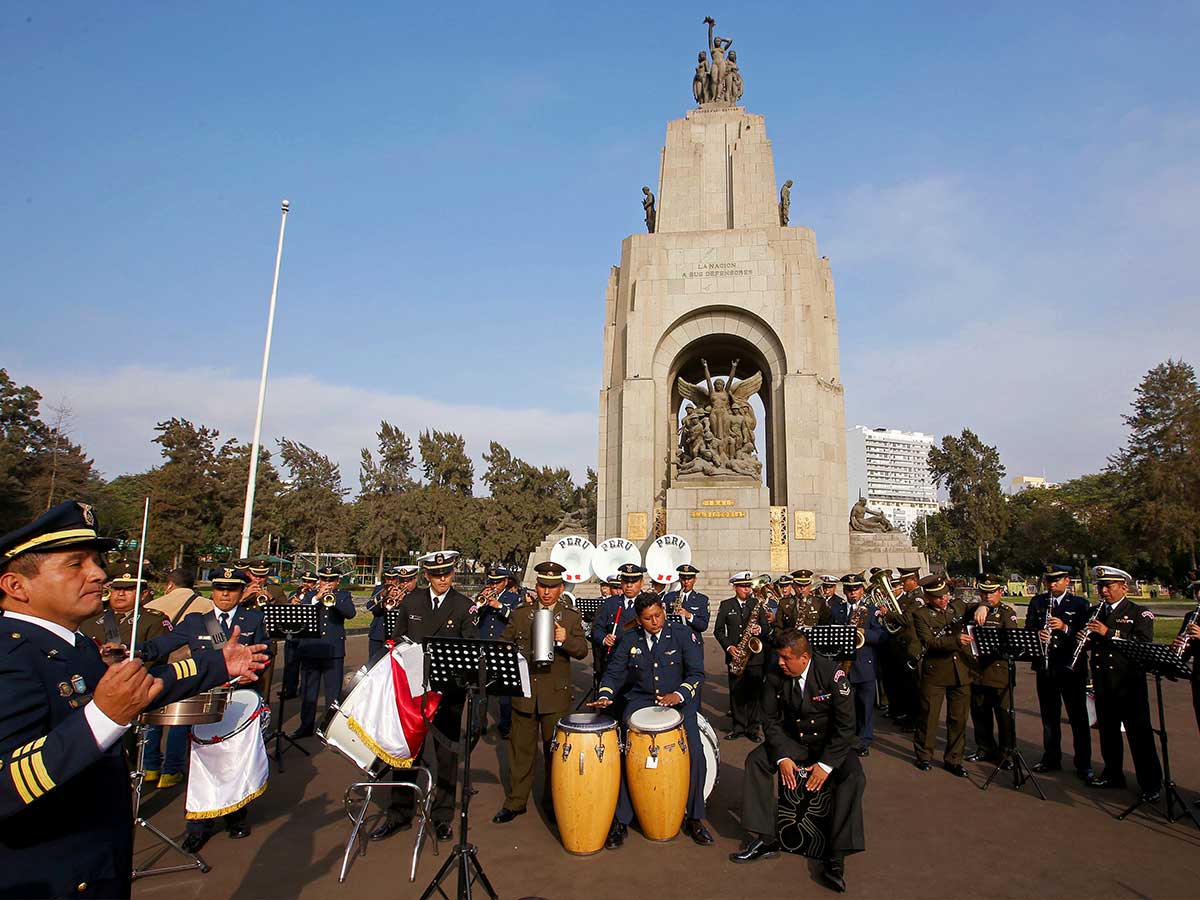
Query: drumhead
{"points": [[243, 704], [711, 745], [587, 723], [655, 719]]}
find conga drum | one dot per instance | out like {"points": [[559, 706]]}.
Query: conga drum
{"points": [[657, 770], [585, 778]]}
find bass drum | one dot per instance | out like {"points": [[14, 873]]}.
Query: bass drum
{"points": [[337, 735], [711, 745]]}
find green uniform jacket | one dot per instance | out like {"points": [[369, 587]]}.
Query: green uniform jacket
{"points": [[550, 686], [945, 663], [991, 672], [796, 612], [151, 623], [906, 637]]}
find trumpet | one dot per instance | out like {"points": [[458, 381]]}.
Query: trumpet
{"points": [[256, 600], [887, 598], [485, 597], [329, 598], [395, 596]]}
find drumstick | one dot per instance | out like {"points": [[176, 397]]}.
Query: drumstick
{"points": [[137, 600]]}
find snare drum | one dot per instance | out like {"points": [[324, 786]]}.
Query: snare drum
{"points": [[245, 708], [337, 735], [585, 779], [202, 709], [657, 770]]}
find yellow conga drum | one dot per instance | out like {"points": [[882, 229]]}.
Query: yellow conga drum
{"points": [[657, 770], [585, 778]]}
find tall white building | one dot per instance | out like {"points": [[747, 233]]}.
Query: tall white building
{"points": [[891, 469]]}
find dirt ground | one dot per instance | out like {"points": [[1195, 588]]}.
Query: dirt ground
{"points": [[928, 834]]}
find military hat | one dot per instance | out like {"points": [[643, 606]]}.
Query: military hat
{"points": [[802, 576], [549, 573], [853, 580], [308, 578], [259, 568], [829, 579], [1110, 575], [391, 572], [498, 572], [986, 584], [1054, 571], [439, 563], [124, 573], [783, 579], [229, 577], [69, 524], [934, 586], [741, 579], [687, 570], [630, 571], [329, 573], [406, 572], [905, 571], [614, 581]]}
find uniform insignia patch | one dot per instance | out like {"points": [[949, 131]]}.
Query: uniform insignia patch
{"points": [[838, 675], [89, 517], [79, 684], [64, 689], [843, 687], [1147, 614]]}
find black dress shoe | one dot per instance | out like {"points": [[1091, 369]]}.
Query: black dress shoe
{"points": [[755, 736], [694, 828], [239, 831], [1105, 782], [863, 751], [975, 756], [834, 873], [1151, 796], [616, 837], [885, 710], [733, 735], [923, 764], [390, 827], [507, 815], [755, 850], [955, 769], [1085, 775], [1043, 766], [444, 831], [193, 842], [301, 733]]}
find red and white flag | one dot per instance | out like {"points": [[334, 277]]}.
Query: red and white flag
{"points": [[385, 711]]}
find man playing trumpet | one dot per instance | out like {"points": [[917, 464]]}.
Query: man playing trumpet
{"points": [[322, 659], [397, 581]]}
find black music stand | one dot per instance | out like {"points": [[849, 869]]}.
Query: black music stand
{"points": [[1161, 661], [834, 641], [482, 668], [391, 621], [288, 621], [589, 606], [1012, 645]]}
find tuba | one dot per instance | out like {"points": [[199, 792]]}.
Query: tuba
{"points": [[887, 598], [612, 554], [752, 644], [664, 555], [575, 554]]}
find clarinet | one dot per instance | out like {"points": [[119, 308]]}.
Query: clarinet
{"points": [[915, 664], [1048, 644], [1181, 643], [1084, 634]]}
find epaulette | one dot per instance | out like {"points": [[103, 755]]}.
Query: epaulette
{"points": [[10, 640]]}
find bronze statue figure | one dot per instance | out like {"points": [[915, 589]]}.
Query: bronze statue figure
{"points": [[785, 202], [648, 207], [716, 436], [868, 521]]}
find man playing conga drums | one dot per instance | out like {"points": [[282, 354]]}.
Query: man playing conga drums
{"points": [[534, 717], [665, 667], [808, 718]]}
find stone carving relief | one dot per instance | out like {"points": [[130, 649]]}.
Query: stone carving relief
{"points": [[716, 435]]}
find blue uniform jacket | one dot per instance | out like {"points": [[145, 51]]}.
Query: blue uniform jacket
{"points": [[676, 666], [194, 632], [332, 642], [602, 625], [65, 814], [863, 668], [375, 607], [492, 621], [696, 604], [1073, 610]]}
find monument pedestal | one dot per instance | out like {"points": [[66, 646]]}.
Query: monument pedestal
{"points": [[888, 550], [727, 523]]}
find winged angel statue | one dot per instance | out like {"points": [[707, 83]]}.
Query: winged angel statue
{"points": [[716, 436]]}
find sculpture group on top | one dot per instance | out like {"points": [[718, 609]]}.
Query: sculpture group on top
{"points": [[716, 435], [717, 78], [865, 520]]}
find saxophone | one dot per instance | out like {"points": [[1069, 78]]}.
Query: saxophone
{"points": [[751, 644]]}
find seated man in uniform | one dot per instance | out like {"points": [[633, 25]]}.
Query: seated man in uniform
{"points": [[808, 717], [664, 665]]}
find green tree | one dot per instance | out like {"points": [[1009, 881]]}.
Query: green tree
{"points": [[183, 512], [445, 463], [525, 504], [971, 472], [392, 474], [939, 538], [1159, 465], [311, 512], [230, 470]]}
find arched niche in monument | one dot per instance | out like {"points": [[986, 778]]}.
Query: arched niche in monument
{"points": [[719, 335]]}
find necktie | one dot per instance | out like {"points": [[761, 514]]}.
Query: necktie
{"points": [[653, 641], [437, 602], [1105, 609], [683, 599], [225, 622]]}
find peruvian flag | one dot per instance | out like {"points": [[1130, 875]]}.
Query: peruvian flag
{"points": [[385, 709]]}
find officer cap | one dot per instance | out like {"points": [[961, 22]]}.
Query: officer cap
{"points": [[802, 576], [62, 527], [329, 573], [934, 586], [391, 572], [687, 570], [1054, 571], [259, 568], [906, 571], [986, 584], [497, 572], [406, 572], [308, 578], [631, 571], [614, 581], [549, 573], [229, 577], [124, 573], [742, 579], [1111, 575], [783, 579], [439, 563], [853, 580]]}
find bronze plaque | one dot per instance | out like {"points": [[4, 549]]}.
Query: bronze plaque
{"points": [[637, 526], [806, 525]]}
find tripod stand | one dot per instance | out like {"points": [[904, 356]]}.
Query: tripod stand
{"points": [[1011, 645], [139, 776], [288, 621], [481, 667], [1160, 661]]}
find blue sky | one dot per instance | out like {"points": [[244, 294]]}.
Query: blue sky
{"points": [[1009, 197]]}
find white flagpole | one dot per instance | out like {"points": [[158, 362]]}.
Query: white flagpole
{"points": [[137, 597], [248, 512]]}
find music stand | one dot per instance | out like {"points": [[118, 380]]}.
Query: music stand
{"points": [[285, 622], [481, 667], [1012, 645], [834, 641], [589, 606], [391, 621], [1161, 661]]}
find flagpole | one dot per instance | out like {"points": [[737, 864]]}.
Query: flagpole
{"points": [[248, 512]]}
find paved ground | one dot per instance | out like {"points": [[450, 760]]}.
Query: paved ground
{"points": [[928, 834]]}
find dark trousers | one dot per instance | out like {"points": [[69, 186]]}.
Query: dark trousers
{"points": [[1064, 689], [697, 769], [291, 670], [504, 714], [207, 826], [1196, 694], [1129, 704], [989, 716], [375, 650], [864, 711], [438, 758], [958, 699], [315, 672], [893, 675], [760, 800], [530, 738], [745, 699]]}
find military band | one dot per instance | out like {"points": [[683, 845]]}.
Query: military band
{"points": [[990, 691], [322, 658]]}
